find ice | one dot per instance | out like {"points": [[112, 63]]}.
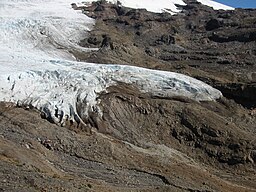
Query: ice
{"points": [[38, 70]]}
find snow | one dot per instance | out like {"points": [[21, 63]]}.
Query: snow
{"points": [[169, 6], [215, 5], [37, 69], [152, 5]]}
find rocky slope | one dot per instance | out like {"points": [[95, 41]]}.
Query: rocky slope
{"points": [[217, 47], [143, 142]]}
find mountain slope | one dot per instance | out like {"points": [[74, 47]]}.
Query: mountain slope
{"points": [[37, 40], [144, 127]]}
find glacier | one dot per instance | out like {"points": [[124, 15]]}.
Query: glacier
{"points": [[38, 70]]}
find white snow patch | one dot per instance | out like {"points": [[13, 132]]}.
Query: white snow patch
{"points": [[38, 70], [159, 6], [215, 5], [152, 5]]}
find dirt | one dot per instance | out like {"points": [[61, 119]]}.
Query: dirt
{"points": [[130, 155], [146, 143]]}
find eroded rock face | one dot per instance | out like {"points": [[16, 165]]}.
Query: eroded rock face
{"points": [[213, 24], [241, 92]]}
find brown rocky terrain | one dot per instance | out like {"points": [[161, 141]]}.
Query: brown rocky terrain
{"points": [[146, 143], [217, 47]]}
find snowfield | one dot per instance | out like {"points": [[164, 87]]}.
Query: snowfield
{"points": [[215, 5], [38, 70], [153, 5], [169, 6]]}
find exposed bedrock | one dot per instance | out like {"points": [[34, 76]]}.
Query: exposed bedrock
{"points": [[244, 94]]}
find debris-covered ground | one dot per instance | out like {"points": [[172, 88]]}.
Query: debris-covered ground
{"points": [[143, 142]]}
